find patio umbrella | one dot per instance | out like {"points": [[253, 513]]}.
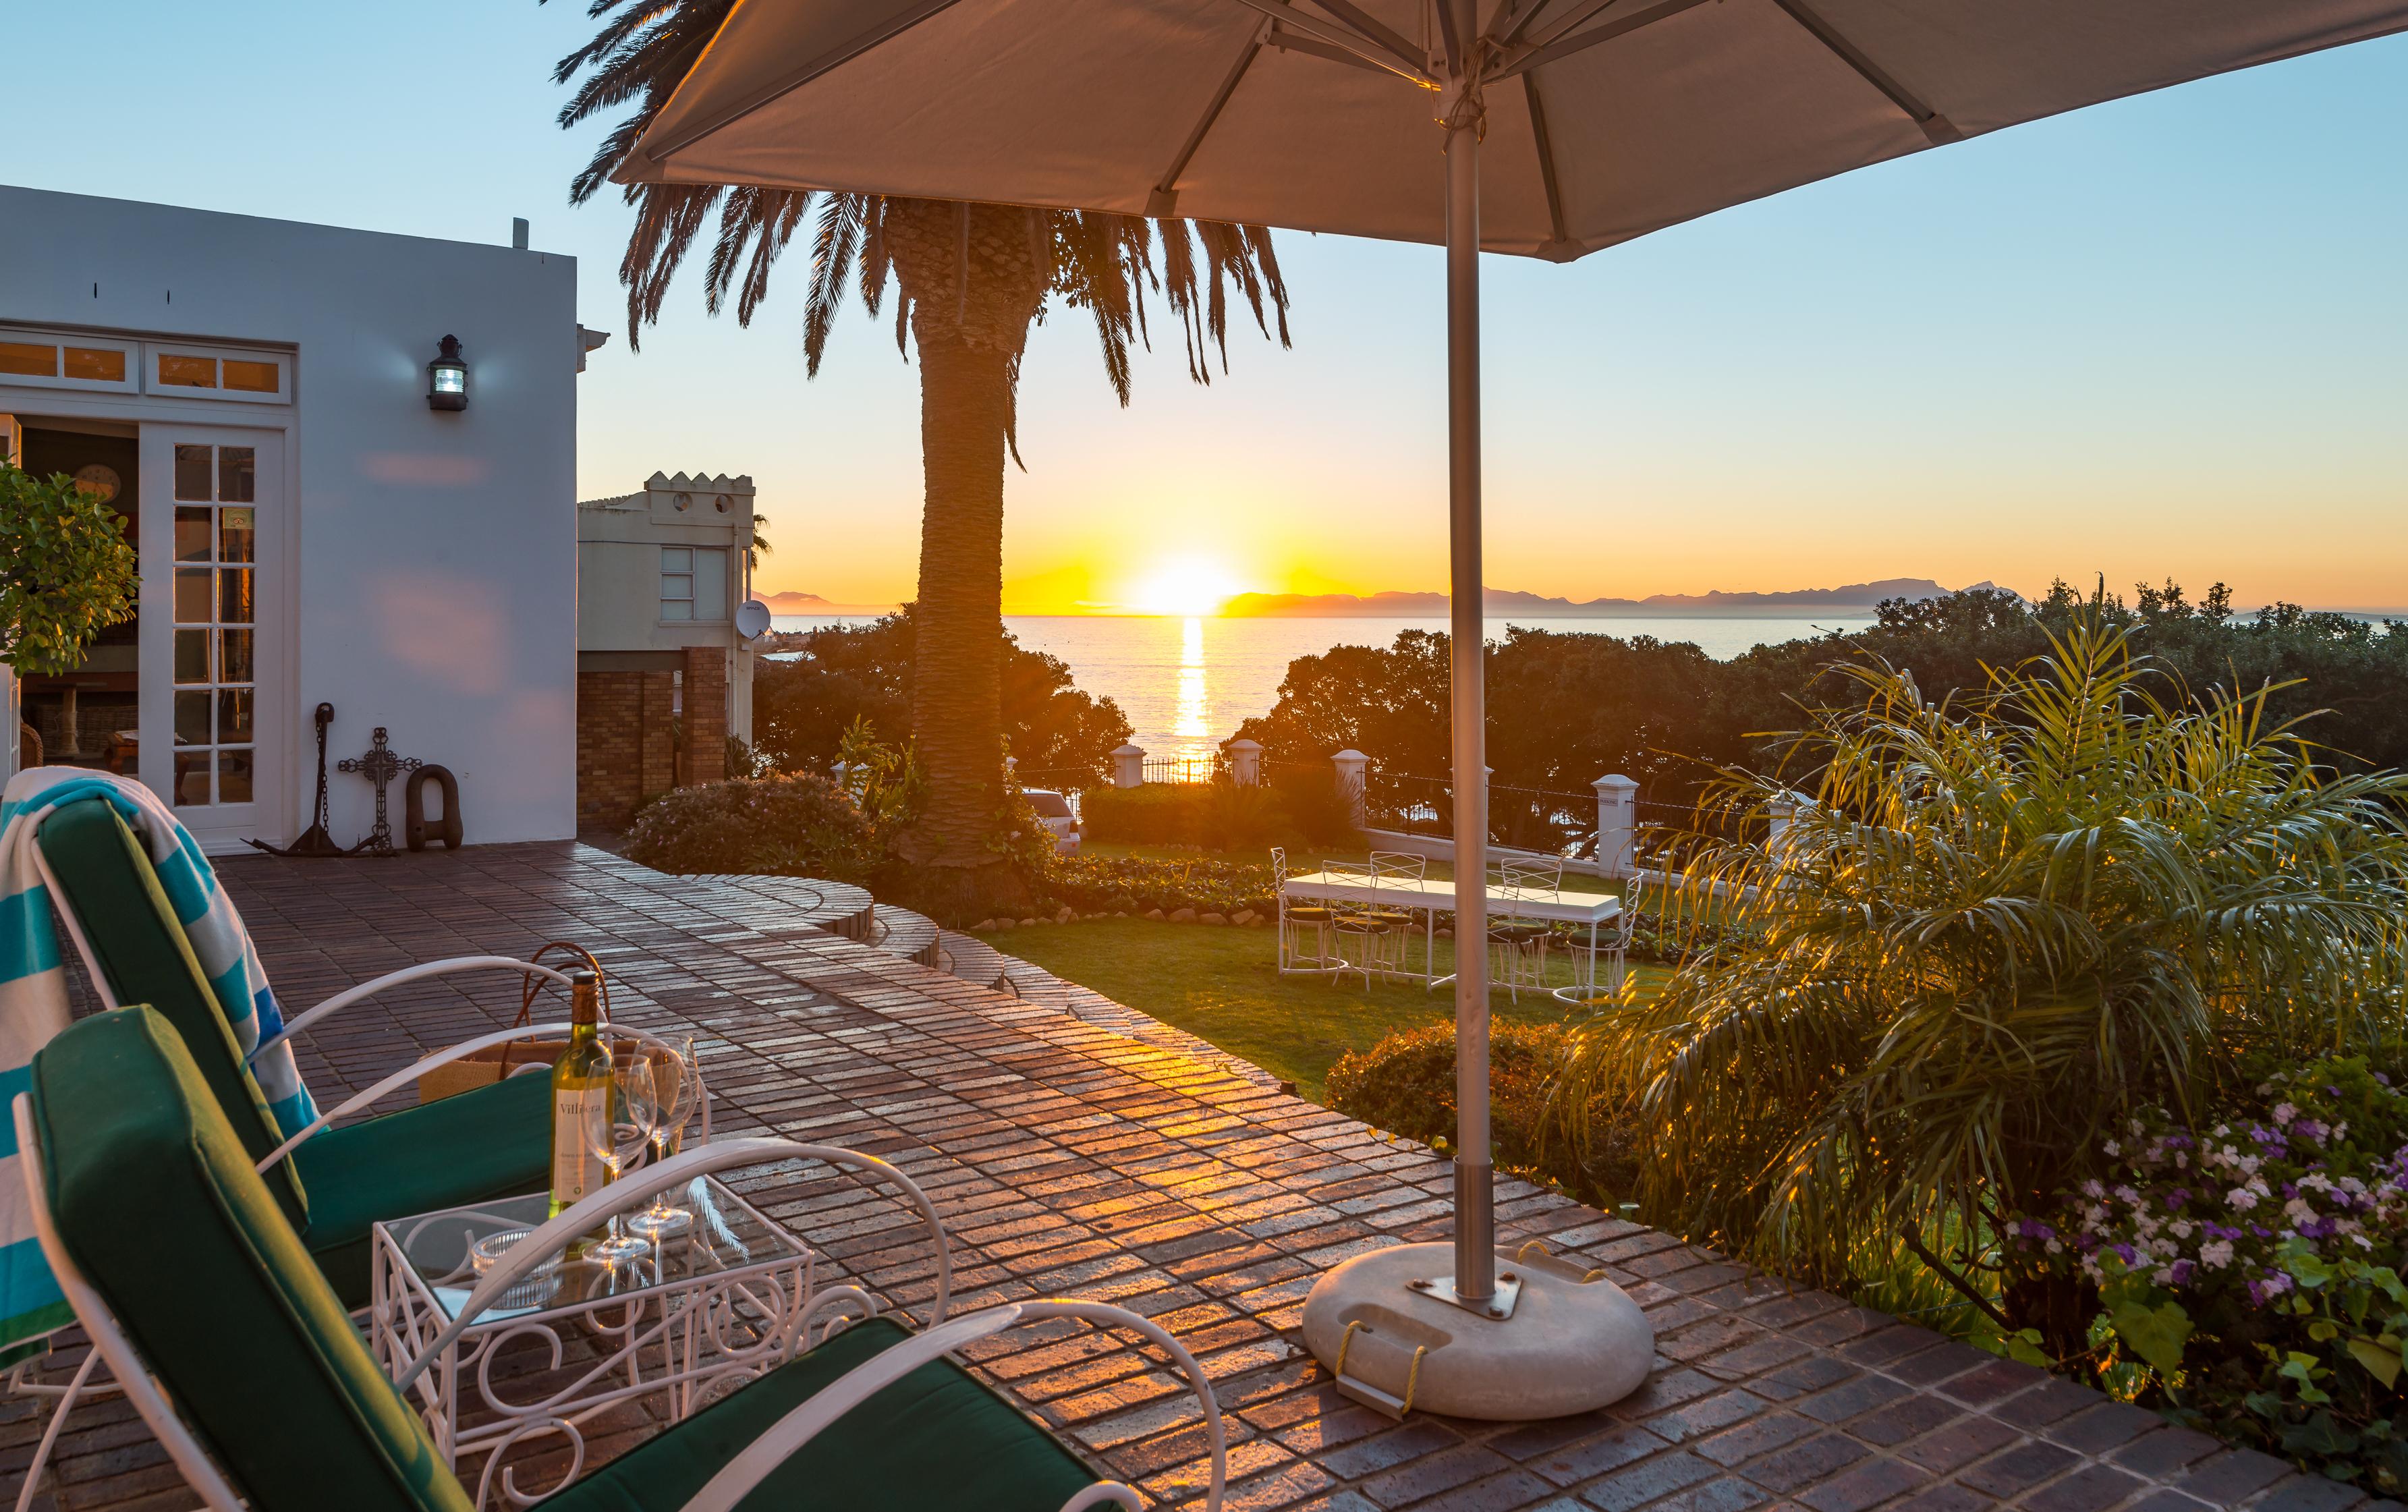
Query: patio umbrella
{"points": [[1551, 128]]}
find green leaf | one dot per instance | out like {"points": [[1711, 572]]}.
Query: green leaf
{"points": [[2319, 1435], [2023, 1346], [2380, 1362], [2157, 1334]]}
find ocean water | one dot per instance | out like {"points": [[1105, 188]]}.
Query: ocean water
{"points": [[1186, 684]]}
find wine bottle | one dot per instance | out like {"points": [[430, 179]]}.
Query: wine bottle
{"points": [[580, 1080]]}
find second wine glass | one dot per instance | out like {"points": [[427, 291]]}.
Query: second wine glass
{"points": [[677, 1089], [606, 1119]]}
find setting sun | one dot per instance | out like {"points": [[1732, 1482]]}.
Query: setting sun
{"points": [[1184, 585]]}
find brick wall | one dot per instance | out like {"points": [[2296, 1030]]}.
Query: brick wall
{"points": [[623, 750], [706, 714]]}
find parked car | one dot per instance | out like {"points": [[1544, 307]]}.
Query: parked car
{"points": [[1054, 810]]}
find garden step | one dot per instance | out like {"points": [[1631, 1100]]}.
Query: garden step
{"points": [[898, 932], [837, 907]]}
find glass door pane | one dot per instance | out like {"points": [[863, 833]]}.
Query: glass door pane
{"points": [[213, 610]]}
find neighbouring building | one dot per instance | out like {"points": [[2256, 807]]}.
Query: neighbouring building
{"points": [[664, 676], [320, 516]]}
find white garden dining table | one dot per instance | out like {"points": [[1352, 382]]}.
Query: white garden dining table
{"points": [[1429, 899]]}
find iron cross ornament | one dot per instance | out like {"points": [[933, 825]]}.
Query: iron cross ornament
{"points": [[380, 766]]}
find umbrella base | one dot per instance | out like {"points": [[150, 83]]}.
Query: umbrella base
{"points": [[1395, 1342]]}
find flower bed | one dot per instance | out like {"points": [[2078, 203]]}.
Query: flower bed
{"points": [[2248, 1273], [1092, 882]]}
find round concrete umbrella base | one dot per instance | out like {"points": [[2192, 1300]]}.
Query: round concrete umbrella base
{"points": [[1387, 1326]]}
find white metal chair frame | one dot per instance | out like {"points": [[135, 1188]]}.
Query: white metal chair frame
{"points": [[1294, 960], [740, 1475], [1388, 867], [1615, 950], [1516, 964], [1369, 943]]}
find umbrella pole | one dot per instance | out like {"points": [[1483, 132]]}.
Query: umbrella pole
{"points": [[1433, 1325], [1475, 1246]]}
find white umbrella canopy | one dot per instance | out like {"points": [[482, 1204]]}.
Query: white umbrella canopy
{"points": [[1606, 119], [1551, 128]]}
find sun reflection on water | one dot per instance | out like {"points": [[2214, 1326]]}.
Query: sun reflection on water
{"points": [[1193, 727]]}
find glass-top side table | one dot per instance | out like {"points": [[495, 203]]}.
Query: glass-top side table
{"points": [[701, 1312]]}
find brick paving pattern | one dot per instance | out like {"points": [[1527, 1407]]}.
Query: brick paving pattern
{"points": [[1070, 1158]]}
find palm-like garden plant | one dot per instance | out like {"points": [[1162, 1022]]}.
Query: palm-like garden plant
{"points": [[1993, 934], [969, 279]]}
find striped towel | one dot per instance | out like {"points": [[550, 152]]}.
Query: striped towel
{"points": [[34, 996]]}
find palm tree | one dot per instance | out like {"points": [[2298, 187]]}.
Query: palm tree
{"points": [[1995, 934], [969, 279]]}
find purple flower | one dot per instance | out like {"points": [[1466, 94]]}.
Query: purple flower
{"points": [[2182, 1269], [2177, 1197]]}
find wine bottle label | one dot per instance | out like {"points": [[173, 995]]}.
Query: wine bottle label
{"points": [[576, 1170]]}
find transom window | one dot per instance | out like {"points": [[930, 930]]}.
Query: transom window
{"points": [[693, 584], [215, 601], [67, 361]]}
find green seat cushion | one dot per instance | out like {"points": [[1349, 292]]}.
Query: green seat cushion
{"points": [[158, 1205], [1311, 915], [142, 950], [471, 1147], [936, 1438]]}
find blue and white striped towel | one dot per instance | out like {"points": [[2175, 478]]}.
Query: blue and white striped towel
{"points": [[34, 995]]}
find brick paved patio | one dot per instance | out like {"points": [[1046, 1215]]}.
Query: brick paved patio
{"points": [[1075, 1151]]}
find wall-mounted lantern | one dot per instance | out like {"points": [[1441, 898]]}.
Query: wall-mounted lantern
{"points": [[447, 378]]}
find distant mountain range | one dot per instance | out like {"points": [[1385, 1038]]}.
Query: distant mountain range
{"points": [[791, 603], [1508, 602]]}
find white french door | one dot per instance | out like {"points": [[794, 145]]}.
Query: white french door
{"points": [[211, 641]]}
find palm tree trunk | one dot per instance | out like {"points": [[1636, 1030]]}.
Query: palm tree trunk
{"points": [[972, 275]]}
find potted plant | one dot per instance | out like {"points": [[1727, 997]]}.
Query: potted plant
{"points": [[66, 573]]}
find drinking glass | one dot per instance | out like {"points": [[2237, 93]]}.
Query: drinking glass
{"points": [[602, 1141], [676, 1090]]}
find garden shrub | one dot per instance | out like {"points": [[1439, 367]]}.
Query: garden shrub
{"points": [[789, 825], [2248, 1275], [1405, 1085], [1093, 882], [1299, 808], [1157, 813]]}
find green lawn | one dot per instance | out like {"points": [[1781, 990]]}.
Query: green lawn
{"points": [[1220, 985]]}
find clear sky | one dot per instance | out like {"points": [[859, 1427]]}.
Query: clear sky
{"points": [[2167, 336]]}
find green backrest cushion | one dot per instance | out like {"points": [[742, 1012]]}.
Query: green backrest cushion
{"points": [[141, 947], [935, 1439], [159, 1207]]}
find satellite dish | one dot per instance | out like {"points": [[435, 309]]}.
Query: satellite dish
{"points": [[752, 619]]}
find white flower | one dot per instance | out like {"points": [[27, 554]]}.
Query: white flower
{"points": [[2298, 1211], [2217, 1255], [2285, 1113], [2163, 1275], [2092, 1189], [2056, 1247], [2317, 1181], [2241, 1197], [2182, 1227], [2112, 1147]]}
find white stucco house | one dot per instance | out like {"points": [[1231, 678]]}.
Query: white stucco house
{"points": [[314, 522], [664, 674]]}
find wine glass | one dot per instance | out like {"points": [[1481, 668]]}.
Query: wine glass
{"points": [[676, 1088], [601, 1134]]}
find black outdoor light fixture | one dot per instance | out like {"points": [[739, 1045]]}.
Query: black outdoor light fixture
{"points": [[447, 377]]}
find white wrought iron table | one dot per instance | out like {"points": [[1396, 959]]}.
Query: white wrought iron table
{"points": [[703, 1313], [1429, 899]]}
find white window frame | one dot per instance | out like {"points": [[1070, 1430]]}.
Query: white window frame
{"points": [[667, 572], [33, 335], [153, 351]]}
